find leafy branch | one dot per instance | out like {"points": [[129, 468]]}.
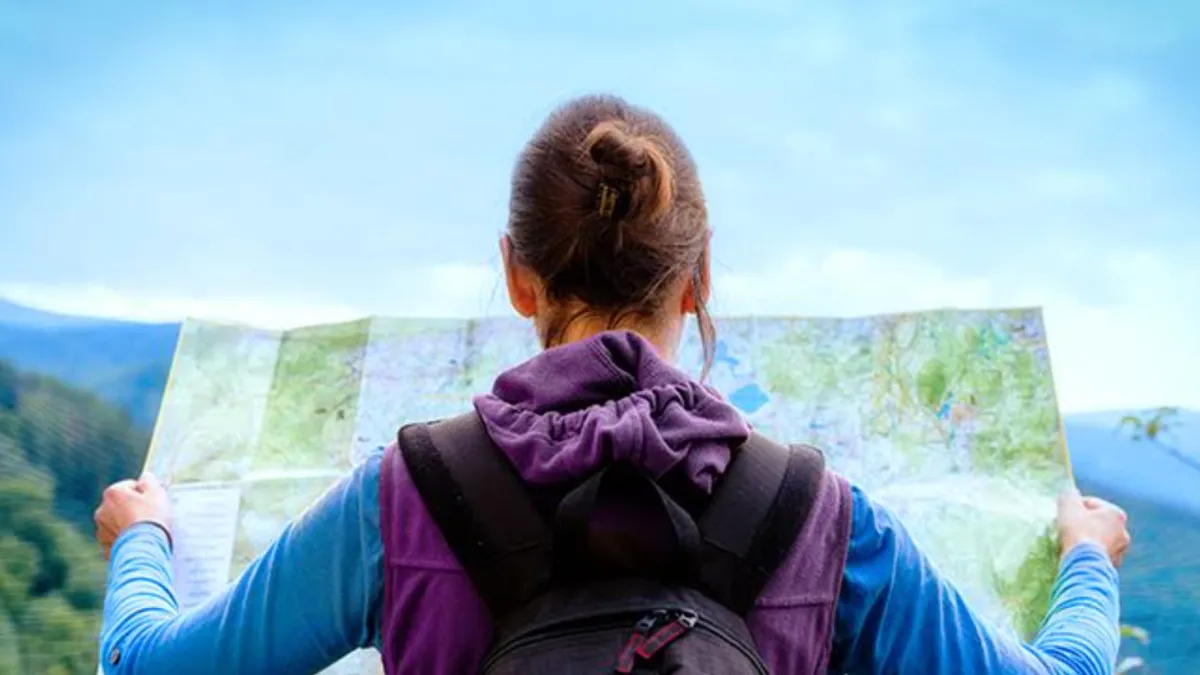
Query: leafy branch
{"points": [[1150, 428]]}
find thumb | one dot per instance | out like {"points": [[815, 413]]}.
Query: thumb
{"points": [[149, 482], [1071, 492], [1070, 497]]}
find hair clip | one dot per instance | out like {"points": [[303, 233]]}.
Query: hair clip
{"points": [[607, 200]]}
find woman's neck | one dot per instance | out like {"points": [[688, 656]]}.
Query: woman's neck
{"points": [[657, 333]]}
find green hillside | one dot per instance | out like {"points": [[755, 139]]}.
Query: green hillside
{"points": [[59, 448]]}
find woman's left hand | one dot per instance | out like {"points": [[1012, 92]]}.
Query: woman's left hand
{"points": [[129, 502]]}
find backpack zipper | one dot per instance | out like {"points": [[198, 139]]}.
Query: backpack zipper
{"points": [[675, 623], [625, 619], [636, 644], [644, 623]]}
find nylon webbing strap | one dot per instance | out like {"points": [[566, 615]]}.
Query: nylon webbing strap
{"points": [[756, 513], [576, 559], [482, 509]]}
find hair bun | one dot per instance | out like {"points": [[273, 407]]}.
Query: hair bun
{"points": [[612, 148], [634, 163]]}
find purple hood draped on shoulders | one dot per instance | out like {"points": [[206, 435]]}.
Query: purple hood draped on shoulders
{"points": [[578, 406]]}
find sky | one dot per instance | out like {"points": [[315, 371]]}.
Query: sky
{"points": [[285, 163]]}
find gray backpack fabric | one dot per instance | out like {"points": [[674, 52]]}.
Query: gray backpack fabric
{"points": [[568, 597]]}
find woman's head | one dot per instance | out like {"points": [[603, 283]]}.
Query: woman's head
{"points": [[608, 227]]}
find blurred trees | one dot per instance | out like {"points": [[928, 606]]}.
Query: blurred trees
{"points": [[59, 448]]}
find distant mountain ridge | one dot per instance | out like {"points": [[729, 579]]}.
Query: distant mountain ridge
{"points": [[126, 364], [12, 314]]}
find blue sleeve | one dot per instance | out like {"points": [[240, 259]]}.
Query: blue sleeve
{"points": [[309, 599], [896, 615]]}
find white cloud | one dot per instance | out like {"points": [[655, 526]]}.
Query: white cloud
{"points": [[843, 282], [1137, 349], [439, 291], [149, 306]]}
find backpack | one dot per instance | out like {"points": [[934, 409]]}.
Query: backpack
{"points": [[532, 556]]}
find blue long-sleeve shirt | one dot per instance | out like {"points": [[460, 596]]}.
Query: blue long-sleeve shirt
{"points": [[314, 595]]}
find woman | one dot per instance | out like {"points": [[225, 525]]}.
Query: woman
{"points": [[607, 230]]}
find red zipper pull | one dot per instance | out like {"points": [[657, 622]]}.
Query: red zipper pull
{"points": [[684, 621], [629, 653]]}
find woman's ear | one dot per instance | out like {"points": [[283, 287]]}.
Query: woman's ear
{"points": [[522, 289]]}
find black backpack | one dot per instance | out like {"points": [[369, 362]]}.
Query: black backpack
{"points": [[565, 599]]}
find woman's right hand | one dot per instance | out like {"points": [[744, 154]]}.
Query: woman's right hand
{"points": [[1082, 519], [129, 502]]}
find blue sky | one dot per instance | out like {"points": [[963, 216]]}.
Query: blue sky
{"points": [[299, 162]]}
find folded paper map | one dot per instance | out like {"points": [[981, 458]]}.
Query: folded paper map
{"points": [[947, 417]]}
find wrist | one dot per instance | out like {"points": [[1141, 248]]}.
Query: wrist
{"points": [[155, 523], [1082, 544]]}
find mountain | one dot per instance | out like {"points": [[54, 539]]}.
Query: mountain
{"points": [[12, 314], [123, 363]]}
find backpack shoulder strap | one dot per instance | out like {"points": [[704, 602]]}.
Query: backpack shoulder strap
{"points": [[482, 508], [757, 510]]}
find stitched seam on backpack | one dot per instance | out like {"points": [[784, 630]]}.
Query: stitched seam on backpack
{"points": [[795, 601], [427, 564]]}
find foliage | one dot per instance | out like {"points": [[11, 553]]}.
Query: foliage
{"points": [[1130, 664], [59, 448], [1149, 427]]}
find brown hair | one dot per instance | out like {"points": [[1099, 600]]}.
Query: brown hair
{"points": [[607, 209]]}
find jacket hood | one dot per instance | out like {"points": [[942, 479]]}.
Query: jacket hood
{"points": [[610, 397]]}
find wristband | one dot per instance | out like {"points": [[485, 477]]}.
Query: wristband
{"points": [[166, 532]]}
